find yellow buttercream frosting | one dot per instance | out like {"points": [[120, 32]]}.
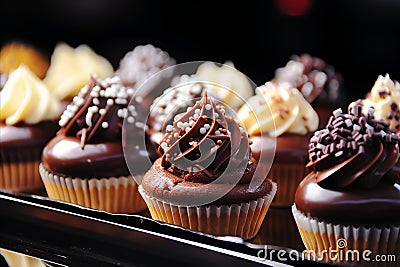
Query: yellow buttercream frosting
{"points": [[385, 98], [25, 98], [277, 109], [232, 86], [70, 69]]}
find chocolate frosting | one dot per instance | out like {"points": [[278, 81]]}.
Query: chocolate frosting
{"points": [[89, 143], [201, 143]]}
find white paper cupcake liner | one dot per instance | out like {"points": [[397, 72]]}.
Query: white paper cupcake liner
{"points": [[318, 235], [20, 171], [15, 259], [243, 220], [111, 194]]}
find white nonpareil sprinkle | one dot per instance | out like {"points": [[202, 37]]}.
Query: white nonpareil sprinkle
{"points": [[339, 153], [102, 111], [217, 132], [121, 101], [169, 128], [197, 111], [356, 128], [164, 145], [88, 119], [208, 106], [371, 110], [216, 115], [130, 119], [110, 102], [179, 124], [188, 129], [104, 124], [96, 101], [191, 122], [196, 116], [207, 126], [337, 112], [203, 130]]}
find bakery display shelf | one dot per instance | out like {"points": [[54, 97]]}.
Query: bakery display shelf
{"points": [[65, 234]]}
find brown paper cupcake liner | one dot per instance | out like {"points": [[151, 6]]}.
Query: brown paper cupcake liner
{"points": [[320, 236], [111, 194], [19, 171], [287, 177], [242, 220]]}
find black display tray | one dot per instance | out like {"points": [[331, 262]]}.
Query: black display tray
{"points": [[65, 234]]}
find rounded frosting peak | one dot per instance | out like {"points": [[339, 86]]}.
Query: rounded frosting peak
{"points": [[283, 110], [385, 98], [203, 143], [70, 69], [25, 98], [354, 149], [97, 113]]}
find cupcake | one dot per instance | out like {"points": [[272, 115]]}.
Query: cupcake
{"points": [[206, 179], [222, 82], [316, 80], [70, 70], [286, 121], [84, 164], [351, 200], [28, 120], [14, 54], [143, 62]]}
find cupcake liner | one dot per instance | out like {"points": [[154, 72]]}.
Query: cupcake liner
{"points": [[111, 194], [243, 220], [19, 171], [287, 177], [15, 259], [318, 235]]}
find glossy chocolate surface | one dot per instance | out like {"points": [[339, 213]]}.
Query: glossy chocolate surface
{"points": [[22, 136], [163, 185], [377, 206], [290, 148]]}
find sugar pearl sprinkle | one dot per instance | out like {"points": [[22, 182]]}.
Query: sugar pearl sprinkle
{"points": [[98, 99], [349, 134]]}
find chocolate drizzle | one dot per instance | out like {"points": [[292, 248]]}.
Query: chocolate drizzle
{"points": [[98, 111], [203, 142], [353, 149]]}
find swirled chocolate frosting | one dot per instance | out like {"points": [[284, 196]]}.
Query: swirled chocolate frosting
{"points": [[354, 149], [204, 142]]}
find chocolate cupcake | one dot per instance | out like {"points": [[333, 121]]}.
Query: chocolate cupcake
{"points": [[286, 121], [320, 85], [84, 164], [351, 199], [28, 120], [204, 180]]}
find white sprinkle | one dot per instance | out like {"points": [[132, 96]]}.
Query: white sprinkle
{"points": [[122, 113], [320, 146], [203, 130], [208, 106], [369, 127], [339, 153], [179, 124], [371, 110], [176, 135], [88, 119], [191, 122], [169, 128], [195, 89], [104, 124], [317, 133], [110, 102], [196, 116], [193, 143], [102, 111], [229, 133], [140, 124], [121, 101], [130, 91], [96, 88], [102, 93], [139, 99], [217, 132], [96, 101], [314, 139], [197, 111], [207, 126], [337, 112], [216, 115], [348, 122], [115, 79], [185, 124], [383, 134], [241, 129], [131, 108], [164, 145], [130, 119], [93, 109], [188, 129], [307, 89], [356, 128]]}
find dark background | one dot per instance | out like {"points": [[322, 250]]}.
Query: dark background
{"points": [[360, 38]]}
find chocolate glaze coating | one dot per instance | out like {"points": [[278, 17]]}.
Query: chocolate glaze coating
{"points": [[290, 148], [23, 136], [355, 206], [162, 184]]}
